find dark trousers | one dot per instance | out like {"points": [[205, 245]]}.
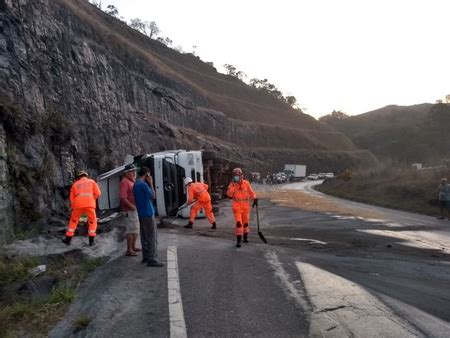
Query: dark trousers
{"points": [[444, 205], [149, 238]]}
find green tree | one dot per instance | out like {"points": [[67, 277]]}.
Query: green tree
{"points": [[268, 87], [291, 100], [231, 70], [138, 25], [96, 3], [152, 29], [439, 116], [112, 10], [168, 42], [149, 28], [334, 115]]}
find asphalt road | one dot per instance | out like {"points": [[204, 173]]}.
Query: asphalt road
{"points": [[320, 275]]}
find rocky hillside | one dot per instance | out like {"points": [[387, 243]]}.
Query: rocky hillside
{"points": [[408, 134], [80, 89]]}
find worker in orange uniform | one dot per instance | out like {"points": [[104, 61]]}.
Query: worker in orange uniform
{"points": [[198, 192], [241, 192], [83, 194]]}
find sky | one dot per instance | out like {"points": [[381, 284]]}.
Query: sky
{"points": [[348, 55]]}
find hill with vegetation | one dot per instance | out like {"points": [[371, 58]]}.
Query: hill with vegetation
{"points": [[408, 134]]}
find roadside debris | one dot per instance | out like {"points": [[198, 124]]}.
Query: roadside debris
{"points": [[37, 270]]}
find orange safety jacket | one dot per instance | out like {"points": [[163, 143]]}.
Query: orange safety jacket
{"points": [[199, 192], [241, 193], [83, 193]]}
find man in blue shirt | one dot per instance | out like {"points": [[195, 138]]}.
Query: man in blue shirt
{"points": [[143, 196]]}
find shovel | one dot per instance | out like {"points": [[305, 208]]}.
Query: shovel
{"points": [[260, 234]]}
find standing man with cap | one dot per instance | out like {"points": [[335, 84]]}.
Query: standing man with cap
{"points": [[83, 195], [144, 195], [241, 192], [128, 206], [444, 198], [198, 191]]}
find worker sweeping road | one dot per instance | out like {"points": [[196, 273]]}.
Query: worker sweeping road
{"points": [[83, 194], [198, 191], [241, 192]]}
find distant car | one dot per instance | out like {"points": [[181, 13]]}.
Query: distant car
{"points": [[321, 175], [329, 175], [313, 177]]}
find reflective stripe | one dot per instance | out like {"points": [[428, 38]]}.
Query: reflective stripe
{"points": [[91, 231], [70, 230], [85, 194]]}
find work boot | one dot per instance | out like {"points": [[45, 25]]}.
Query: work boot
{"points": [[238, 239], [245, 238], [67, 240], [189, 225], [214, 226], [155, 264], [91, 240]]}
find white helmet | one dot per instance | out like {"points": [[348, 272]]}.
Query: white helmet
{"points": [[187, 180]]}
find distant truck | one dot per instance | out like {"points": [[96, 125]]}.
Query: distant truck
{"points": [[297, 171]]}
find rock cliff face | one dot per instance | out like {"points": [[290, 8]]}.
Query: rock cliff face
{"points": [[80, 89]]}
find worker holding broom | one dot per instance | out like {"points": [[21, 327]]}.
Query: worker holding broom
{"points": [[199, 198], [241, 192]]}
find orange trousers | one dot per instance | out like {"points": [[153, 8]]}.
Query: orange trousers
{"points": [[75, 218], [242, 218], [208, 211]]}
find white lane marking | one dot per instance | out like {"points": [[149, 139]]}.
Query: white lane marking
{"points": [[341, 308], [176, 314], [315, 241], [417, 239], [288, 286]]}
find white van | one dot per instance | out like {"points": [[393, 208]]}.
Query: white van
{"points": [[168, 168]]}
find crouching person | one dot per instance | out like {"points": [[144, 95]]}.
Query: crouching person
{"points": [[143, 197], [83, 195]]}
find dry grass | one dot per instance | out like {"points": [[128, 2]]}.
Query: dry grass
{"points": [[81, 322], [391, 186], [26, 317], [308, 202], [218, 91]]}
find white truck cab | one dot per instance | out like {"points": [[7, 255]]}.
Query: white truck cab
{"points": [[168, 169]]}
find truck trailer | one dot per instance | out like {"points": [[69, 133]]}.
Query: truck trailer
{"points": [[297, 171]]}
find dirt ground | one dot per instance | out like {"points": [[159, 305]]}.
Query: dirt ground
{"points": [[308, 202]]}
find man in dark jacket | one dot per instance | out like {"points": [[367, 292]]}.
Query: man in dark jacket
{"points": [[143, 197]]}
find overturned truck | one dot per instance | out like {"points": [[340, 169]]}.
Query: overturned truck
{"points": [[169, 168]]}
